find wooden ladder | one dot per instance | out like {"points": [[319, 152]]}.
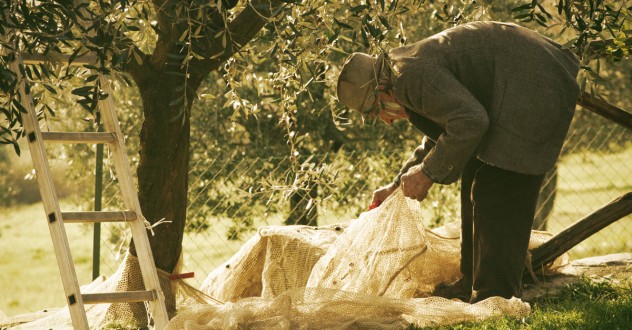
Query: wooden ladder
{"points": [[153, 294]]}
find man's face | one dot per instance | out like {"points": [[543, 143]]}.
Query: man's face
{"points": [[386, 108]]}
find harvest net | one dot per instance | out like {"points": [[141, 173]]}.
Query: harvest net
{"points": [[374, 272]]}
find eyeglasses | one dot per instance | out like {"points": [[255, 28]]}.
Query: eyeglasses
{"points": [[373, 111]]}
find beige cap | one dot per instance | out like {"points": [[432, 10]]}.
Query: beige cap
{"points": [[358, 80]]}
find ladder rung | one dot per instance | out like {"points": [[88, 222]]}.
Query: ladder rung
{"points": [[98, 216], [79, 137], [119, 297]]}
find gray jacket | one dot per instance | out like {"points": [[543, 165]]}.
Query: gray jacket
{"points": [[498, 91]]}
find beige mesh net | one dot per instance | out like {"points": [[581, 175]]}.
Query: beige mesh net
{"points": [[374, 272]]}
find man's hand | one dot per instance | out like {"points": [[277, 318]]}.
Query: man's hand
{"points": [[415, 183], [381, 194]]}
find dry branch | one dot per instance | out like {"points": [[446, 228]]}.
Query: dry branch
{"points": [[582, 229]]}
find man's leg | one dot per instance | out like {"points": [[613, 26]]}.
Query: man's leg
{"points": [[462, 289], [467, 217], [504, 206]]}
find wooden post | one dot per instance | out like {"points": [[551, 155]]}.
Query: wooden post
{"points": [[606, 110], [582, 229]]}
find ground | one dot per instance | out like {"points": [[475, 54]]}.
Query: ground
{"points": [[613, 267]]}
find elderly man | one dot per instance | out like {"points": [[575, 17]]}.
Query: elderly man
{"points": [[494, 101]]}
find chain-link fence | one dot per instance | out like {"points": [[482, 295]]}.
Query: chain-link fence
{"points": [[230, 197]]}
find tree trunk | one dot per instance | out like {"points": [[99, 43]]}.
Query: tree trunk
{"points": [[165, 134], [303, 210], [163, 166], [163, 170]]}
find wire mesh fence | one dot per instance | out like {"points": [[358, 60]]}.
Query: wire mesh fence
{"points": [[232, 194], [230, 197]]}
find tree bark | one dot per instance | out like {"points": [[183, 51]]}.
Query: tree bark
{"points": [[163, 166]]}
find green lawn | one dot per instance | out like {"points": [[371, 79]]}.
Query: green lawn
{"points": [[30, 280], [586, 305]]}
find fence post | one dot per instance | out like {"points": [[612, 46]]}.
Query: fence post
{"points": [[98, 190]]}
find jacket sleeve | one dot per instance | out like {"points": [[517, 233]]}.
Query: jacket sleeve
{"points": [[440, 97], [417, 157]]}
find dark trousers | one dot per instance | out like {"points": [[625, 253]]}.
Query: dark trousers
{"points": [[497, 211]]}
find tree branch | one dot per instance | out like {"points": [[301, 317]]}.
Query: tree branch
{"points": [[137, 70], [581, 230], [208, 43], [606, 110], [241, 30], [250, 21]]}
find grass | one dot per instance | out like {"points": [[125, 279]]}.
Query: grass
{"points": [[30, 280], [585, 305]]}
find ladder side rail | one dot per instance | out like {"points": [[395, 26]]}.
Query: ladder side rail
{"points": [[130, 198], [51, 205]]}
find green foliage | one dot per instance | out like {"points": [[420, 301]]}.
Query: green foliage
{"points": [[597, 31], [271, 96], [590, 19], [107, 29], [295, 113]]}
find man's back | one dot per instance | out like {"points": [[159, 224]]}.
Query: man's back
{"points": [[525, 82]]}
